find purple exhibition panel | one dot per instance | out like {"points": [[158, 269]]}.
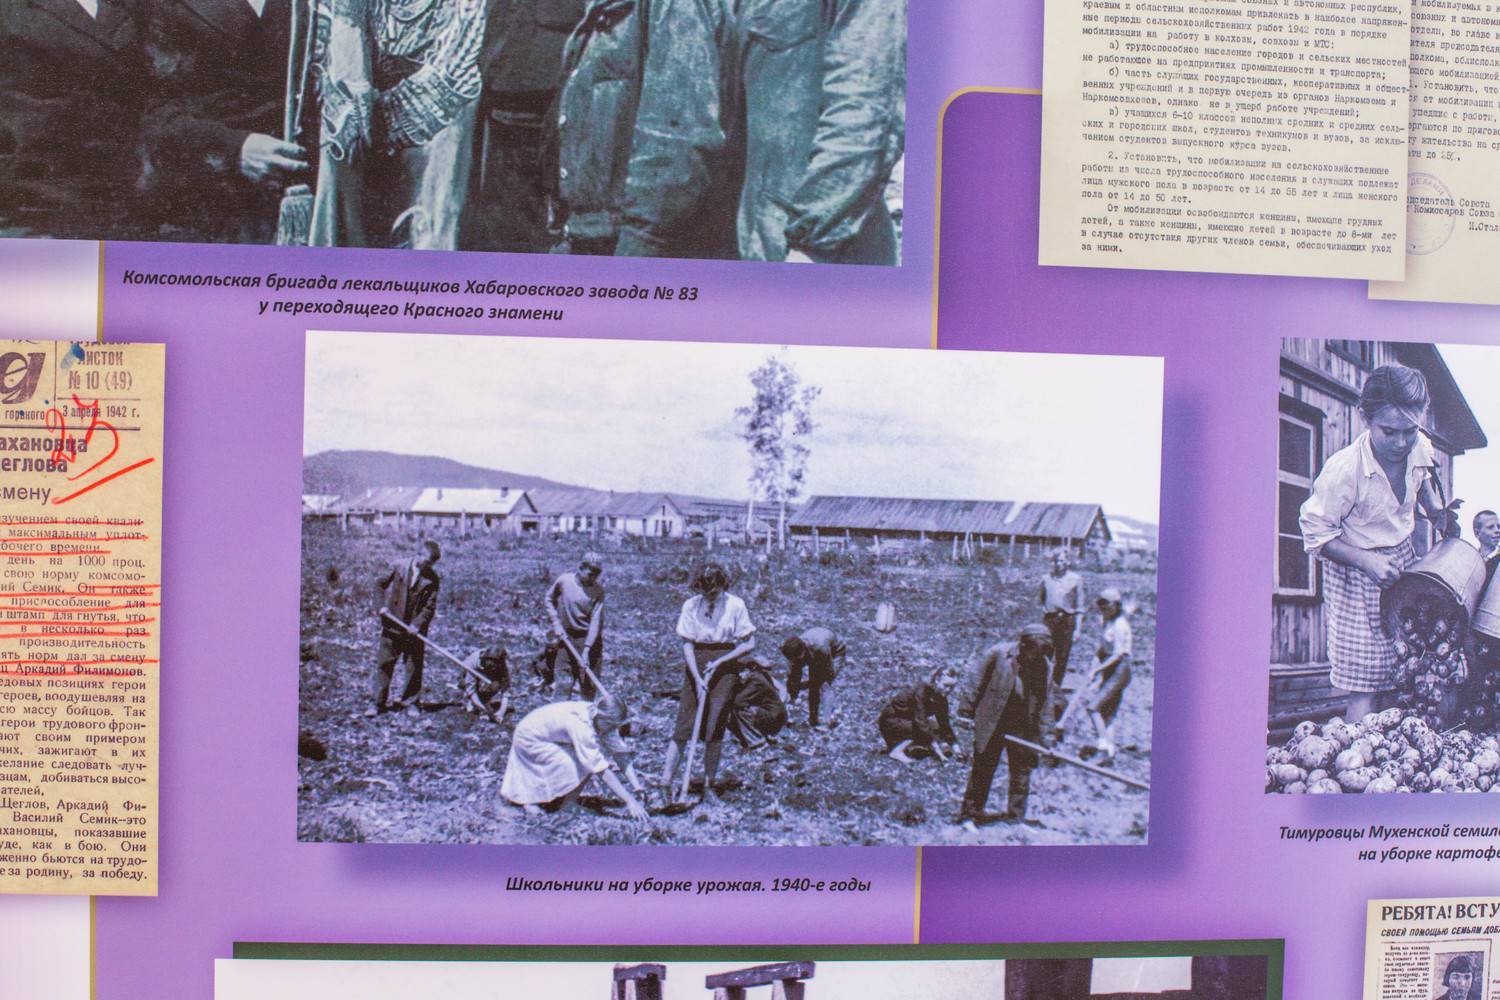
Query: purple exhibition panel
{"points": [[230, 860], [1217, 864]]}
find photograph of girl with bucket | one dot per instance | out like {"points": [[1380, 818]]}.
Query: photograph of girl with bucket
{"points": [[1385, 669]]}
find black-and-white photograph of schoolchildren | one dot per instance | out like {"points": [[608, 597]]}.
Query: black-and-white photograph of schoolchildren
{"points": [[589, 591]]}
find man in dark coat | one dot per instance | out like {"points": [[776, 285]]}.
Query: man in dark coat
{"points": [[1006, 692], [728, 105], [215, 164], [72, 76], [522, 66], [409, 594]]}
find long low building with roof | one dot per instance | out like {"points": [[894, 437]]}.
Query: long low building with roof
{"points": [[1079, 526], [504, 509], [575, 509]]}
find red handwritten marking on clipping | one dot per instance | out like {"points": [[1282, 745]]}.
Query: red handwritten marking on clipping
{"points": [[74, 538], [103, 522], [65, 552], [89, 607], [67, 447], [6, 665]]}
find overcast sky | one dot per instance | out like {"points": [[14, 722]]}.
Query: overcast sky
{"points": [[900, 980], [642, 415], [1476, 474]]}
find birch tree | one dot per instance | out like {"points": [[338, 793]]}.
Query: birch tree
{"points": [[774, 425]]}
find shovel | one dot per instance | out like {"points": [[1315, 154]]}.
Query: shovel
{"points": [[680, 804], [583, 665], [387, 616], [1094, 768], [1076, 702]]}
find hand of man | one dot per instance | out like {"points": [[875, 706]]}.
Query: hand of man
{"points": [[637, 811], [266, 158]]}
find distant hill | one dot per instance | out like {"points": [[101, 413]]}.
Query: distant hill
{"points": [[1146, 528], [355, 471]]}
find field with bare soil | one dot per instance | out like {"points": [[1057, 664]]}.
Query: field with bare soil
{"points": [[436, 779]]}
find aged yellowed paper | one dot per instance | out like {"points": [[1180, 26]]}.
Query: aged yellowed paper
{"points": [[1421, 949], [80, 603], [1452, 230], [1246, 136]]}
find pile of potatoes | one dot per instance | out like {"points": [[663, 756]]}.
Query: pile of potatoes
{"points": [[1389, 751], [1430, 659]]}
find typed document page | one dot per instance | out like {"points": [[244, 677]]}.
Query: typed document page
{"points": [[1452, 230], [1246, 136]]}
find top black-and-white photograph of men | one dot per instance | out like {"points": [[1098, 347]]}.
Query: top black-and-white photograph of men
{"points": [[597, 592], [759, 130]]}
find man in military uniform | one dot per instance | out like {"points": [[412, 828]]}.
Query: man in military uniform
{"points": [[1005, 695]]}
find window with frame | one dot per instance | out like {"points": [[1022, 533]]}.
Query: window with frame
{"points": [[1297, 453], [1361, 352]]}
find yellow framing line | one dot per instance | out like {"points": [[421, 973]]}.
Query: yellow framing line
{"points": [[937, 221], [916, 918], [99, 313]]}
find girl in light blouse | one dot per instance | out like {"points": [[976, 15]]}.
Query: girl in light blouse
{"points": [[716, 632], [1359, 519]]}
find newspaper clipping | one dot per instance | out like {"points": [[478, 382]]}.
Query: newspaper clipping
{"points": [[80, 544], [1431, 949], [1274, 134]]}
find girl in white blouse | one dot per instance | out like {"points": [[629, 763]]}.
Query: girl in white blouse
{"points": [[1359, 519], [716, 632]]}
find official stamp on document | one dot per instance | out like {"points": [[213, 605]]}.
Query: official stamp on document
{"points": [[1431, 213]]}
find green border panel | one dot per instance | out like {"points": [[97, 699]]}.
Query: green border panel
{"points": [[1273, 948]]}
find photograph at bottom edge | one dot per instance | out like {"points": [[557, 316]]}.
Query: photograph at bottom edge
{"points": [[1196, 971]]}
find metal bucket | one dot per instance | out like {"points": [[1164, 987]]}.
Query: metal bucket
{"points": [[1458, 565], [1486, 617], [1452, 568]]}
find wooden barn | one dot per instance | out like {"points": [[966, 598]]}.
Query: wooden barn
{"points": [[567, 509], [1079, 526], [1318, 415]]}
